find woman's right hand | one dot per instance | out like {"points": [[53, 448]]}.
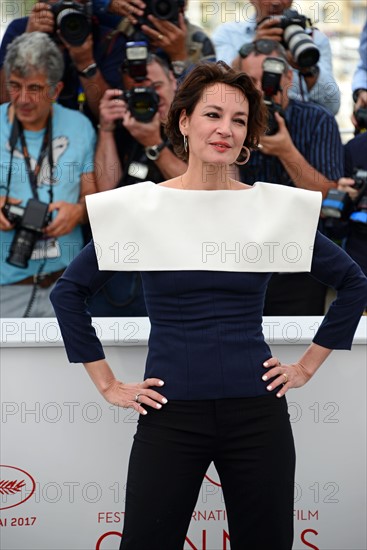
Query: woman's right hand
{"points": [[135, 395]]}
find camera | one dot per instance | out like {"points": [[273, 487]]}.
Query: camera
{"points": [[166, 10], [361, 118], [339, 205], [29, 223], [73, 20], [360, 179], [135, 63], [297, 40], [273, 68], [359, 216], [142, 102]]}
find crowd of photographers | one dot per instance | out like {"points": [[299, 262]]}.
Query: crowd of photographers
{"points": [[85, 89]]}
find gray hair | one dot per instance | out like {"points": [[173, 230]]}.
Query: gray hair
{"points": [[153, 58], [34, 52]]}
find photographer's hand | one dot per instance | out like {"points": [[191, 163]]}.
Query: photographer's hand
{"points": [[299, 170], [269, 29], [68, 216], [41, 19], [111, 108], [168, 36], [5, 224], [94, 86], [131, 10], [145, 133], [108, 168], [346, 185], [279, 142]]}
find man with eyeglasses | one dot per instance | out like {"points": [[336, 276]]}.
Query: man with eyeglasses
{"points": [[305, 151], [313, 83], [46, 162], [92, 62]]}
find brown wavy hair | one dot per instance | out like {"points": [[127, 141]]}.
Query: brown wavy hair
{"points": [[191, 89]]}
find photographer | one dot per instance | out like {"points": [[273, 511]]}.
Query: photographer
{"points": [[359, 86], [314, 82], [117, 154], [92, 57], [129, 151], [168, 30], [355, 162], [304, 151], [47, 169]]}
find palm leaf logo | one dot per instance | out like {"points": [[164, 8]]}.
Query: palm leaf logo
{"points": [[11, 487]]}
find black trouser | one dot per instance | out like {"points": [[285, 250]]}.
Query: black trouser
{"points": [[251, 444]]}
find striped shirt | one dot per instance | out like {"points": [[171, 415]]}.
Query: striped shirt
{"points": [[314, 133]]}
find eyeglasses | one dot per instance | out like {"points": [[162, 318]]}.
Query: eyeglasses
{"points": [[264, 46]]}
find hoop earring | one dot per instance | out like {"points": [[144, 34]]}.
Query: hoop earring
{"points": [[185, 144], [241, 160]]}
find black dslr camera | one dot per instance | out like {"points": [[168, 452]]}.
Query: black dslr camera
{"points": [[74, 20], [338, 204], [166, 10], [142, 101], [273, 68], [296, 38], [29, 223]]}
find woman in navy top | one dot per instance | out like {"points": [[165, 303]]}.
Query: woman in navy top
{"points": [[212, 388]]}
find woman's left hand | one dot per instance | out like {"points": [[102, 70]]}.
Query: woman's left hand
{"points": [[284, 377]]}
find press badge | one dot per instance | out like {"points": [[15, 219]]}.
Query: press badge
{"points": [[138, 170], [46, 249]]}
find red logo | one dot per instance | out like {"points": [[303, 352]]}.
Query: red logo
{"points": [[16, 486], [212, 476], [102, 537]]}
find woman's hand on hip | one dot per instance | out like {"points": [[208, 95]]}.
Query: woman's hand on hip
{"points": [[284, 377], [135, 395]]}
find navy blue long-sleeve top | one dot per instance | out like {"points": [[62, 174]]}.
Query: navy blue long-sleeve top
{"points": [[206, 339]]}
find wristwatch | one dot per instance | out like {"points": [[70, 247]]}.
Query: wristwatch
{"points": [[153, 152], [89, 71]]}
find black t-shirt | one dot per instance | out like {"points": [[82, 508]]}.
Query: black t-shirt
{"points": [[135, 164]]}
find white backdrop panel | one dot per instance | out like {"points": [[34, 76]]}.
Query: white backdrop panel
{"points": [[64, 450]]}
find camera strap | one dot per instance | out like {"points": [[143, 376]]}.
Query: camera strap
{"points": [[46, 148], [14, 134]]}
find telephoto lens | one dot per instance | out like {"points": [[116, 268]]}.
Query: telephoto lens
{"points": [[73, 20], [301, 46]]}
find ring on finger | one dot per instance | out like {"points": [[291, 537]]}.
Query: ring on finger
{"points": [[160, 37], [137, 400], [285, 377]]}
